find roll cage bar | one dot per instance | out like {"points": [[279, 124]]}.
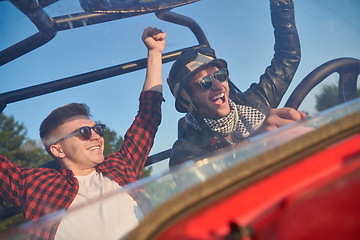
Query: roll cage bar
{"points": [[48, 28]]}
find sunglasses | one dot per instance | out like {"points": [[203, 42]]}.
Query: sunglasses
{"points": [[85, 132], [221, 75]]}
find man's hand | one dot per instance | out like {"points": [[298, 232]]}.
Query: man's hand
{"points": [[154, 39], [278, 117]]}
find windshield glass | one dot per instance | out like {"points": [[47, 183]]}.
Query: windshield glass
{"points": [[239, 31], [160, 188]]}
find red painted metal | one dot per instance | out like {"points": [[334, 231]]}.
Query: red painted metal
{"points": [[316, 198]]}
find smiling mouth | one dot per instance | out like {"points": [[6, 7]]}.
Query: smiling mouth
{"points": [[219, 98], [93, 148]]}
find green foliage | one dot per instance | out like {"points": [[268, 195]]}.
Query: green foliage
{"points": [[112, 142], [12, 135], [146, 172], [15, 145], [10, 222], [160, 191], [328, 97]]}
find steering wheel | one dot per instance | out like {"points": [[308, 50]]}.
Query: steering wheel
{"points": [[347, 68]]}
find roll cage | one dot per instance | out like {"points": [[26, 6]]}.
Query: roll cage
{"points": [[47, 30]]}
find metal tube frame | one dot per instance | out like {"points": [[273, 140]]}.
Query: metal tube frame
{"points": [[48, 27]]}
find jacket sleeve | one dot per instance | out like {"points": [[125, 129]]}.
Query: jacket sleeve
{"points": [[192, 147], [182, 151], [278, 76]]}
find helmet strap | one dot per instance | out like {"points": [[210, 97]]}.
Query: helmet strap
{"points": [[186, 101]]}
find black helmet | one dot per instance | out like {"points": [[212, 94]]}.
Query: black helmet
{"points": [[189, 63]]}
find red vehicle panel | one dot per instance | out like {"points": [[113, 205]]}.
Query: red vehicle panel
{"points": [[316, 198]]}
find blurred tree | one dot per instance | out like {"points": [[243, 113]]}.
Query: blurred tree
{"points": [[328, 97], [112, 142], [160, 191], [146, 172], [12, 135], [16, 146]]}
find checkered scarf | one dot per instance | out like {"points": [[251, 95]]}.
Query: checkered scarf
{"points": [[242, 120]]}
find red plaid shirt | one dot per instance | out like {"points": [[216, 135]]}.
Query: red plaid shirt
{"points": [[38, 192]]}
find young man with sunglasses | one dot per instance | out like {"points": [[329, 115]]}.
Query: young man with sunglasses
{"points": [[76, 142], [219, 114]]}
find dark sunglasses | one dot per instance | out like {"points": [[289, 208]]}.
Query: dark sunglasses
{"points": [[221, 75], [85, 132]]}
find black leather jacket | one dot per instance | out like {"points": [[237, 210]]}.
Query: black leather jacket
{"points": [[267, 94]]}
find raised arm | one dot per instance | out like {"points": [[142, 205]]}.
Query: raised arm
{"points": [[154, 40], [139, 138], [278, 76]]}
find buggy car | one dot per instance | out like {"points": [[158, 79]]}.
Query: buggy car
{"points": [[293, 183]]}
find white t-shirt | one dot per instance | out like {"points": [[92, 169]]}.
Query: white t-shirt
{"points": [[109, 219]]}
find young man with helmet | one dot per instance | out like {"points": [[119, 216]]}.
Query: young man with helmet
{"points": [[218, 113]]}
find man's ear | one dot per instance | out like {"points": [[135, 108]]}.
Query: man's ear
{"points": [[57, 151]]}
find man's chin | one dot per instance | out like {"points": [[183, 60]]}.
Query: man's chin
{"points": [[100, 160], [224, 112]]}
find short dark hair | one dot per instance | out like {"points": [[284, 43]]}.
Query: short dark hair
{"points": [[58, 117]]}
